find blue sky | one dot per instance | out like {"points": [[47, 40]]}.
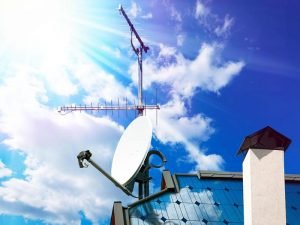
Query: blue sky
{"points": [[222, 70]]}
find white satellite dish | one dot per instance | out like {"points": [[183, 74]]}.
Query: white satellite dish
{"points": [[131, 162], [132, 150]]}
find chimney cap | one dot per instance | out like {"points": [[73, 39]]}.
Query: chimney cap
{"points": [[266, 138]]}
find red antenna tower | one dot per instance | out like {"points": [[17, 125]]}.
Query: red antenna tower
{"points": [[140, 107]]}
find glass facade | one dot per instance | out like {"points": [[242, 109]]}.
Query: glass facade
{"points": [[207, 202], [292, 195]]}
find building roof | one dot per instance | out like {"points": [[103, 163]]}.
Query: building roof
{"points": [[208, 197]]}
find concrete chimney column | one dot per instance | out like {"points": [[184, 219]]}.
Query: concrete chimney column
{"points": [[263, 177]]}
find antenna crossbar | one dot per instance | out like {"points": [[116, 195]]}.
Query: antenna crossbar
{"points": [[106, 108]]}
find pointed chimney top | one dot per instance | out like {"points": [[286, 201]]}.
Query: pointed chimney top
{"points": [[266, 138]]}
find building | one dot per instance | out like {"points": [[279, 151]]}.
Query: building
{"points": [[261, 195]]}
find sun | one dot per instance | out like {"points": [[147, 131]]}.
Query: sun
{"points": [[56, 34], [36, 28]]}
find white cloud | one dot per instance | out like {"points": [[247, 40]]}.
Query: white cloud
{"points": [[4, 171], [98, 84], [201, 10], [58, 80], [211, 21], [166, 51], [175, 126], [54, 188], [79, 74], [203, 161], [185, 76], [147, 16], [223, 29], [175, 14], [180, 39], [134, 10], [110, 51]]}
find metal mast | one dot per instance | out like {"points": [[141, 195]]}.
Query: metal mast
{"points": [[139, 52], [140, 107]]}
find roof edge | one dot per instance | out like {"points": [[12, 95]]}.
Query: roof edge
{"points": [[237, 175]]}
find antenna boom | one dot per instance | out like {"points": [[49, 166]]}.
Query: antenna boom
{"points": [[145, 48]]}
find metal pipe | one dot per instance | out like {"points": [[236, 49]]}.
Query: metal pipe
{"points": [[110, 178], [86, 155], [140, 89]]}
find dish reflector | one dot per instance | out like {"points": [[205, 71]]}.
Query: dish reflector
{"points": [[131, 150]]}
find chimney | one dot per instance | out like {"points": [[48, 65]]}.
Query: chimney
{"points": [[263, 177]]}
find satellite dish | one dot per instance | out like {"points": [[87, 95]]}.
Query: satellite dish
{"points": [[132, 150], [131, 162]]}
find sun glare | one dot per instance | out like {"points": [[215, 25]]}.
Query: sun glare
{"points": [[45, 34], [35, 27]]}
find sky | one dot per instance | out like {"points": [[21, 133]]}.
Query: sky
{"points": [[220, 70]]}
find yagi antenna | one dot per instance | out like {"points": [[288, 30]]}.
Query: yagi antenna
{"points": [[131, 162], [140, 107]]}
